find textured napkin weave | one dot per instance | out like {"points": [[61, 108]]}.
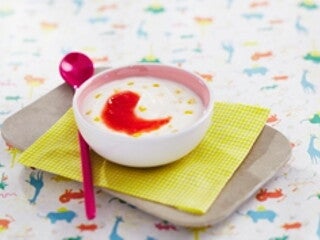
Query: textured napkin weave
{"points": [[190, 184]]}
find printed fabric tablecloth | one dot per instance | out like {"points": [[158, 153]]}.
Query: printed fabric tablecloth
{"points": [[258, 52]]}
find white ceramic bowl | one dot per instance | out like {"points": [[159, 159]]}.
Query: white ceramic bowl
{"points": [[151, 150]]}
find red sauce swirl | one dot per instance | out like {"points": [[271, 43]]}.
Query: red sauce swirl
{"points": [[119, 115]]}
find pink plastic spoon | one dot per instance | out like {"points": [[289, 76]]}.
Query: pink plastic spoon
{"points": [[75, 68]]}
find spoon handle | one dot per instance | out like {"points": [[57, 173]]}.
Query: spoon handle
{"points": [[88, 188]]}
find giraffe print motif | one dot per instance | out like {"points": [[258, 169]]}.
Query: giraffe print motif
{"points": [[307, 86], [35, 180], [313, 152]]}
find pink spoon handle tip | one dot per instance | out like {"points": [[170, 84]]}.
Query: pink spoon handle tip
{"points": [[88, 188]]}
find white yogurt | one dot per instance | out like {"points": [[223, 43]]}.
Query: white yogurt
{"points": [[159, 98]]}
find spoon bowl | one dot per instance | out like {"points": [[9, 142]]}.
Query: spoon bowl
{"points": [[75, 68]]}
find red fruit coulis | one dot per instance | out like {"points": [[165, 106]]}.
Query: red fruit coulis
{"points": [[119, 115]]}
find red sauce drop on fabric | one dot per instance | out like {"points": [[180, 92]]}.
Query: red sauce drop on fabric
{"points": [[118, 114]]}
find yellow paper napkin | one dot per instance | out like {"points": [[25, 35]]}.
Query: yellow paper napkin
{"points": [[190, 184]]}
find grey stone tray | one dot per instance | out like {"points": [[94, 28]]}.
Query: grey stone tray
{"points": [[269, 153]]}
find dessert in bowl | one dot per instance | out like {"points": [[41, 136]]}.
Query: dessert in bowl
{"points": [[143, 115]]}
